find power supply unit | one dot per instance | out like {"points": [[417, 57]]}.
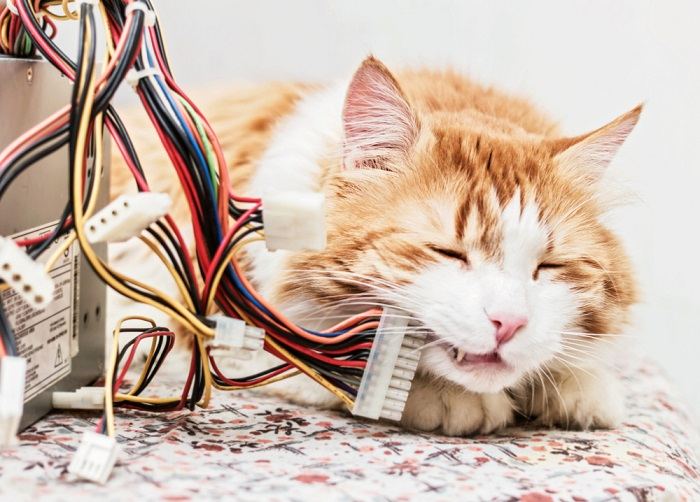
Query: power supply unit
{"points": [[64, 343]]}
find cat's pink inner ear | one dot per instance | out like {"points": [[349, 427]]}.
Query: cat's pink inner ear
{"points": [[378, 123], [588, 156]]}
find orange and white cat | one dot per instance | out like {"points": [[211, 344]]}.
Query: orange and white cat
{"points": [[460, 206]]}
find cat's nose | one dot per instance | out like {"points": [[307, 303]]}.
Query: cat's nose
{"points": [[506, 325]]}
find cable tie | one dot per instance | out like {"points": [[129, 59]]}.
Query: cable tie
{"points": [[150, 16], [133, 76], [10, 4]]}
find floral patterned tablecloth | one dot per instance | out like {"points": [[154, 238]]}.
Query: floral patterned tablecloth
{"points": [[253, 447]]}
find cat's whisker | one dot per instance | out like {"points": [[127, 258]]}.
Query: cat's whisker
{"points": [[328, 272], [346, 304], [340, 299], [609, 342], [433, 343], [550, 377], [580, 368], [573, 374], [532, 395], [356, 279], [582, 353], [545, 396], [591, 345], [586, 334]]}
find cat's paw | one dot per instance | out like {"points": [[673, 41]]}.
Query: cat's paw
{"points": [[454, 411], [583, 401]]}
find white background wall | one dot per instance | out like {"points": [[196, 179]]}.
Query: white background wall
{"points": [[583, 61]]}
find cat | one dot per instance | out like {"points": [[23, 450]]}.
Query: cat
{"points": [[457, 203]]}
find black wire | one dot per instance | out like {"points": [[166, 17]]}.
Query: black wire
{"points": [[248, 378], [164, 344], [179, 262], [198, 386]]}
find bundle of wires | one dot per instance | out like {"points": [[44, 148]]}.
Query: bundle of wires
{"points": [[14, 39], [222, 222]]}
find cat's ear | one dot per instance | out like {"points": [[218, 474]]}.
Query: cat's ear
{"points": [[378, 123], [586, 157]]}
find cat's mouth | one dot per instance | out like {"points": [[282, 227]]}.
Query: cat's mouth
{"points": [[470, 361], [465, 360], [462, 358]]}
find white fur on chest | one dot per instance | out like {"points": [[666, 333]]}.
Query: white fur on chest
{"points": [[291, 162]]}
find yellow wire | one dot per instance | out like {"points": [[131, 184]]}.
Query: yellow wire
{"points": [[222, 268], [311, 372], [105, 24], [204, 357], [59, 251], [4, 31], [129, 396], [147, 364], [148, 400], [92, 202], [111, 368], [68, 15], [171, 269], [272, 380]]}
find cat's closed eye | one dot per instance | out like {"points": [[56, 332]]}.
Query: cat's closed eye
{"points": [[545, 265], [450, 253]]}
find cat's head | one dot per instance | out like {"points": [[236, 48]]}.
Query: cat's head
{"points": [[488, 235]]}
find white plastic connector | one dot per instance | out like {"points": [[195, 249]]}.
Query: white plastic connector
{"points": [[150, 16], [391, 366], [25, 275], [95, 457], [85, 398], [234, 338], [294, 221], [127, 216], [12, 373]]}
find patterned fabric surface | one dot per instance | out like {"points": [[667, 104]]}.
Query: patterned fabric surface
{"points": [[255, 447]]}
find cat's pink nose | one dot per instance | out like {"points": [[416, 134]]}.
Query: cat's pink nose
{"points": [[506, 325]]}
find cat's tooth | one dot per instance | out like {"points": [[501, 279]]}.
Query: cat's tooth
{"points": [[460, 355]]}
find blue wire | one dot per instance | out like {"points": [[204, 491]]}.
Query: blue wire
{"points": [[252, 299], [202, 164]]}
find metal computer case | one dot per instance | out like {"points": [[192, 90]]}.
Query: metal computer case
{"points": [[31, 90]]}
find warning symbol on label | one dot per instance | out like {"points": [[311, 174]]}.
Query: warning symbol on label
{"points": [[59, 358]]}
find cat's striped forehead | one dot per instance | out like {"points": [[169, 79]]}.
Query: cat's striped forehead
{"points": [[508, 233], [491, 195]]}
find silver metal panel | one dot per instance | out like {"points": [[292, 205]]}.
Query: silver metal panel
{"points": [[31, 90]]}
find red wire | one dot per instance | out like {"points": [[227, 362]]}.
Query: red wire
{"points": [[127, 364], [218, 256], [239, 383]]}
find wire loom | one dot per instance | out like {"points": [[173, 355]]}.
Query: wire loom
{"points": [[222, 222]]}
